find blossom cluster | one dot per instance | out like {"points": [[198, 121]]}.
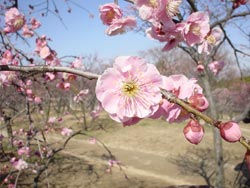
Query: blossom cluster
{"points": [[165, 27], [15, 22], [132, 90], [112, 16]]}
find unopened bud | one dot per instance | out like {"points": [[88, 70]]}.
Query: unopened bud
{"points": [[200, 68], [230, 131], [199, 102], [193, 132]]}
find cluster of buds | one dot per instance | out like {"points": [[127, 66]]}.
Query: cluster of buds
{"points": [[229, 131], [193, 131]]}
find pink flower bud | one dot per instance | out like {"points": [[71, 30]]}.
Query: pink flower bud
{"points": [[193, 132], [37, 100], [230, 131], [199, 102], [28, 91], [200, 68]]}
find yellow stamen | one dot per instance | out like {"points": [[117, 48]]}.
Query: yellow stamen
{"points": [[172, 7], [130, 88], [153, 3], [211, 39], [110, 15], [195, 29], [18, 23]]}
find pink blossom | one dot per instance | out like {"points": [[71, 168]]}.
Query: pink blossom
{"points": [[96, 112], [25, 151], [109, 12], [230, 131], [199, 102], [162, 32], [92, 140], [80, 95], [195, 28], [131, 89], [212, 39], [18, 143], [7, 57], [37, 100], [50, 76], [237, 3], [29, 92], [146, 12], [52, 120], [181, 87], [68, 76], [172, 7], [167, 9], [66, 131], [77, 63], [112, 162], [44, 52], [121, 25], [49, 55], [28, 82], [11, 185], [27, 31], [35, 23], [193, 132], [14, 20], [40, 43], [216, 67], [200, 68], [167, 32], [63, 85], [19, 164], [157, 10]]}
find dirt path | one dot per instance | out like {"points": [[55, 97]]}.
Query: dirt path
{"points": [[147, 153], [134, 162]]}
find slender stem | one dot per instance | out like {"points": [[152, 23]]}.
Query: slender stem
{"points": [[171, 98]]}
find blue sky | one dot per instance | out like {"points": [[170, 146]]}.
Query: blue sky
{"points": [[81, 35]]}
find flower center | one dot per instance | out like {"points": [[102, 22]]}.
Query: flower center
{"points": [[153, 3], [130, 88], [18, 24], [172, 7], [196, 30], [110, 15], [211, 39]]}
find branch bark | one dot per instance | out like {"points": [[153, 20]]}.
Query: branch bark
{"points": [[45, 68]]}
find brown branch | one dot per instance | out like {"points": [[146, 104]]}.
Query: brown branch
{"points": [[234, 49], [192, 5], [130, 1], [46, 68], [229, 17], [171, 98]]}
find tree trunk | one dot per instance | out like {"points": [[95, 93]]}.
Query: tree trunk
{"points": [[220, 179]]}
